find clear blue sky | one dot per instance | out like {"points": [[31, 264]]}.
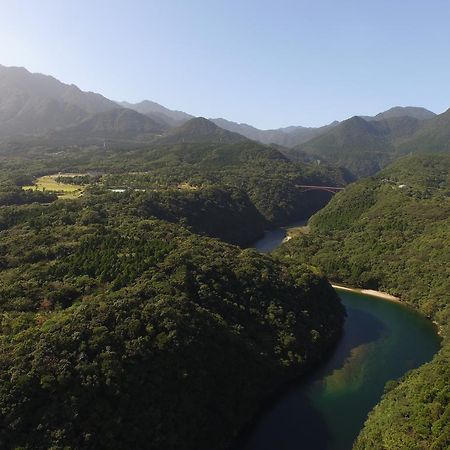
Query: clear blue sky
{"points": [[268, 63]]}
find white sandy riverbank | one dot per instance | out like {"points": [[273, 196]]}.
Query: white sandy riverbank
{"points": [[373, 293]]}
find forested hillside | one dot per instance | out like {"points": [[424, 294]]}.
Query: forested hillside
{"points": [[366, 145], [391, 233], [262, 178], [119, 331], [131, 314], [356, 144], [434, 136], [39, 113]]}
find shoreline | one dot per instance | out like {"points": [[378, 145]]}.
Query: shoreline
{"points": [[390, 298], [371, 292]]}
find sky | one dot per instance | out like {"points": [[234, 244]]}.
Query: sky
{"points": [[267, 63]]}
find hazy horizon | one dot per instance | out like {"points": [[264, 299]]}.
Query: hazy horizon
{"points": [[267, 65]]}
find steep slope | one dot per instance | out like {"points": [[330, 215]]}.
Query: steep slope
{"points": [[397, 129], [294, 136], [392, 233], [138, 334], [159, 112], [119, 123], [360, 146], [433, 136], [364, 146], [402, 111], [200, 130], [35, 103]]}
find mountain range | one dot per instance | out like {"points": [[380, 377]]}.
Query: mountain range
{"points": [[36, 103], [158, 112], [39, 108]]}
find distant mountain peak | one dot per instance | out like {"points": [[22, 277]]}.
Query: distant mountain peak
{"points": [[200, 124], [287, 137], [200, 129], [33, 103], [415, 112], [411, 111], [156, 111]]}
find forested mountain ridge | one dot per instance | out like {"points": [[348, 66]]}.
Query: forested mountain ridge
{"points": [[263, 173], [200, 130], [34, 106], [391, 233], [114, 124], [356, 144], [403, 111], [365, 145], [294, 136], [243, 186], [36, 103], [158, 112], [434, 136], [286, 137], [119, 330], [124, 318]]}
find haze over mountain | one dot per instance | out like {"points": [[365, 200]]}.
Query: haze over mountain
{"points": [[433, 136], [231, 231], [365, 145], [287, 137], [356, 144], [36, 103], [42, 108], [295, 135], [402, 111], [158, 112], [200, 130], [118, 123]]}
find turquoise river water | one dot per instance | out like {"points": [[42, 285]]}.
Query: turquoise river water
{"points": [[381, 341]]}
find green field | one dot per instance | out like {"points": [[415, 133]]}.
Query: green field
{"points": [[49, 183]]}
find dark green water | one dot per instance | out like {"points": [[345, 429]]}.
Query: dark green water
{"points": [[382, 340], [272, 239]]}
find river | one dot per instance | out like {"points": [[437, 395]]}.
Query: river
{"points": [[381, 341]]}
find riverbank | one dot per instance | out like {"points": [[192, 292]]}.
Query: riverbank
{"points": [[385, 296], [371, 292], [332, 402]]}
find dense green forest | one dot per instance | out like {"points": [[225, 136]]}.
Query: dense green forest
{"points": [[365, 145], [121, 333], [261, 173], [126, 312], [120, 324], [391, 233]]}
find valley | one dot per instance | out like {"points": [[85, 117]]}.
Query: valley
{"points": [[381, 341], [137, 311], [380, 237]]}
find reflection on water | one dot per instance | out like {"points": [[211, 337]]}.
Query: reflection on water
{"points": [[273, 239], [381, 341]]}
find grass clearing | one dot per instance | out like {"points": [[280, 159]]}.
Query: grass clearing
{"points": [[49, 183]]}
